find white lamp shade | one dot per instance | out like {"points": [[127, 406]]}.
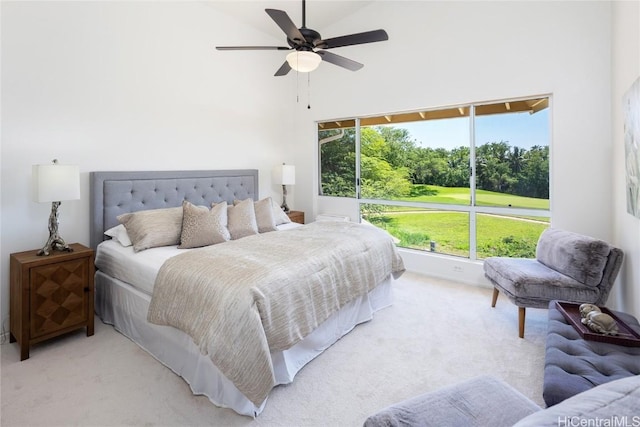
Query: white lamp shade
{"points": [[288, 175], [54, 183], [304, 61]]}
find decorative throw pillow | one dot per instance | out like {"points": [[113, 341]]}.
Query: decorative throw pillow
{"points": [[279, 215], [202, 226], [153, 228], [242, 219], [264, 215], [119, 234]]}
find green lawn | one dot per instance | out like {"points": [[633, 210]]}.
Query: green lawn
{"points": [[462, 196], [496, 235]]}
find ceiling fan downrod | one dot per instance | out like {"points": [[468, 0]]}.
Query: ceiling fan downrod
{"points": [[304, 14]]}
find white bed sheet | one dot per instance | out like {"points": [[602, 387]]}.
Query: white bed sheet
{"points": [[136, 268]]}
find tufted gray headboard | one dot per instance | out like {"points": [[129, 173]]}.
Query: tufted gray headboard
{"points": [[115, 193]]}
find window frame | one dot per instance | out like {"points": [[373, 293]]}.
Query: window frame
{"points": [[472, 209]]}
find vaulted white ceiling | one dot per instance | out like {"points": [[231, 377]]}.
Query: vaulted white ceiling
{"points": [[320, 13]]}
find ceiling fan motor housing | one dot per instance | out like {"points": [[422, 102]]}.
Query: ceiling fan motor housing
{"points": [[311, 37]]}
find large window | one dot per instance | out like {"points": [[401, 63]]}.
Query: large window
{"points": [[469, 181]]}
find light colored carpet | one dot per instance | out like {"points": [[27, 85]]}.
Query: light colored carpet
{"points": [[436, 333]]}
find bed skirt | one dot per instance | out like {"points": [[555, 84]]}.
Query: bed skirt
{"points": [[121, 305]]}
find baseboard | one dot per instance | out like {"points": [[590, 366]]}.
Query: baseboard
{"points": [[445, 267]]}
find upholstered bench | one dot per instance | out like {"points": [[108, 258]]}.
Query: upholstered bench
{"points": [[573, 365]]}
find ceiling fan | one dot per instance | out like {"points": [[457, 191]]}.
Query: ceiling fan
{"points": [[309, 49]]}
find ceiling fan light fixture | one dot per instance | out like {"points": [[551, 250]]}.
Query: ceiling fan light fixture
{"points": [[304, 61]]}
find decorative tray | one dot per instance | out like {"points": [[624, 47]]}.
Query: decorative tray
{"points": [[626, 336]]}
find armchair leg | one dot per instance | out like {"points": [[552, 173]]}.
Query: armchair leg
{"points": [[495, 297], [521, 315]]}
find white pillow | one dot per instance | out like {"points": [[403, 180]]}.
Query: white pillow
{"points": [[278, 214], [119, 234]]}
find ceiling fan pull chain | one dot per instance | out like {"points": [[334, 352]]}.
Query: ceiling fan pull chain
{"points": [[297, 87], [308, 91]]}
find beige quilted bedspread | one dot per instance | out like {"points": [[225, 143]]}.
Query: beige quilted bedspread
{"points": [[242, 299]]}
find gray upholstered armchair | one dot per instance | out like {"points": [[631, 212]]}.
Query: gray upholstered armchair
{"points": [[568, 267]]}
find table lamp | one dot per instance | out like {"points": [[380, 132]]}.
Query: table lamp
{"points": [[54, 183], [288, 177]]}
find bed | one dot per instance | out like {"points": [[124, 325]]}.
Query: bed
{"points": [[129, 285]]}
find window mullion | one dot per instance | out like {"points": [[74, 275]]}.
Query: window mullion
{"points": [[357, 127], [472, 184]]}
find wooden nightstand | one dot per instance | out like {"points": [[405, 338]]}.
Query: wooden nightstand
{"points": [[296, 216], [50, 295]]}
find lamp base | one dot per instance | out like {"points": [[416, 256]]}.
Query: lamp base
{"points": [[284, 206], [55, 242]]}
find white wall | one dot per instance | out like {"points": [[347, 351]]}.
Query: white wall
{"points": [[626, 70], [138, 85], [129, 86], [446, 53]]}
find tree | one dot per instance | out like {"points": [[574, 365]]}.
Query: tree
{"points": [[337, 162], [491, 165], [428, 166], [380, 179], [391, 161], [516, 159], [459, 168], [535, 173], [400, 145]]}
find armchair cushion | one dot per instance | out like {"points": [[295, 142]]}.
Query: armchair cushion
{"points": [[529, 283], [481, 401], [580, 257]]}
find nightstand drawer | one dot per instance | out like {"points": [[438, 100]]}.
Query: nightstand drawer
{"points": [[58, 296]]}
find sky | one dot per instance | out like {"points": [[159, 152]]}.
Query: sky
{"points": [[521, 130]]}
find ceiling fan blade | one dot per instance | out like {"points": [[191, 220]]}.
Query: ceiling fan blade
{"points": [[252, 48], [286, 24], [340, 61], [283, 70], [353, 39]]}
